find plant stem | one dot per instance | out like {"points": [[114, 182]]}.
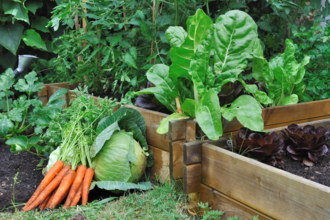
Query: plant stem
{"points": [[176, 12], [24, 129], [196, 95], [207, 7], [7, 103]]}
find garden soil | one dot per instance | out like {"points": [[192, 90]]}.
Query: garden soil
{"points": [[28, 179], [319, 173]]}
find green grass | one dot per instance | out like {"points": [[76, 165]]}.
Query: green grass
{"points": [[162, 202]]}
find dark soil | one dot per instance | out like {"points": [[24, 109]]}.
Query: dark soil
{"points": [[28, 179], [319, 173]]}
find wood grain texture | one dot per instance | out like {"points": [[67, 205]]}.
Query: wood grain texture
{"points": [[191, 127], [192, 152], [229, 206], [285, 115], [177, 130], [278, 194], [176, 159], [160, 170], [192, 178]]}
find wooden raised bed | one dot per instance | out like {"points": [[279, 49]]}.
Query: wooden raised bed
{"points": [[167, 148], [245, 187]]}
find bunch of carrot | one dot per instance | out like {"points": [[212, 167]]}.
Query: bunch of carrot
{"points": [[62, 181]]}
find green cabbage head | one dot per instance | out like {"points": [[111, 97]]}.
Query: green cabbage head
{"points": [[120, 159]]}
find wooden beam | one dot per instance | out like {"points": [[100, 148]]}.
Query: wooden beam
{"points": [[177, 130], [191, 130], [176, 159], [192, 178], [230, 207], [275, 192], [160, 170]]}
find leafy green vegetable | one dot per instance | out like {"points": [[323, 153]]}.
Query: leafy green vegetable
{"points": [[282, 75], [164, 125]]}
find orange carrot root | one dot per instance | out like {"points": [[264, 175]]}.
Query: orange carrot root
{"points": [[51, 198], [48, 178], [86, 184], [50, 188], [63, 189], [77, 197], [76, 183], [44, 203]]}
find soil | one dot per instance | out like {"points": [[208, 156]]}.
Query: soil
{"points": [[28, 179], [319, 173]]}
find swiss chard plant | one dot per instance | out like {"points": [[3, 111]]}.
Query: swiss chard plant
{"points": [[205, 58], [282, 75], [26, 111]]}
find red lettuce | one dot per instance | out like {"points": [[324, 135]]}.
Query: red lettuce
{"points": [[307, 143], [264, 147]]}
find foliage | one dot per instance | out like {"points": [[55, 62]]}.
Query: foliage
{"points": [[25, 112], [306, 143], [196, 78], [315, 43], [209, 213], [264, 147], [282, 76], [120, 40], [24, 21]]}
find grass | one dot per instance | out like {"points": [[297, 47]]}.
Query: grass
{"points": [[162, 202]]}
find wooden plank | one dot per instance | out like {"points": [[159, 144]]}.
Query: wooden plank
{"points": [[192, 152], [191, 130], [177, 130], [192, 178], [229, 206], [44, 100], [275, 192], [160, 170], [176, 159]]}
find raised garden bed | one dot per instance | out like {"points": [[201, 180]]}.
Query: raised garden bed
{"points": [[167, 148], [245, 187]]}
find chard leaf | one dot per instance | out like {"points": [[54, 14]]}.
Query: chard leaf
{"points": [[262, 97], [102, 138], [57, 95], [247, 111], [116, 185], [175, 36], [290, 65], [208, 115], [289, 100], [234, 37], [188, 106], [261, 70], [301, 70], [164, 125], [198, 28]]}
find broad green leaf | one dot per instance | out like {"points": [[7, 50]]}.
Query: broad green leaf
{"points": [[247, 111], [175, 35], [161, 96], [44, 120], [257, 48], [301, 70], [198, 74], [289, 100], [262, 97], [40, 24], [57, 95], [188, 106], [208, 115], [133, 52], [102, 138], [116, 185], [34, 140], [11, 35], [5, 125], [7, 80], [146, 30], [16, 114], [3, 104], [129, 60], [16, 9], [159, 76], [290, 65], [199, 27], [114, 40], [261, 70], [30, 85], [33, 39], [164, 20], [18, 143], [234, 37], [33, 5], [8, 60], [164, 125]]}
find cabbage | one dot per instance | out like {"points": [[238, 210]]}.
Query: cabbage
{"points": [[120, 159]]}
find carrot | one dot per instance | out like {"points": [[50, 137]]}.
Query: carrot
{"points": [[63, 188], [51, 198], [44, 203], [76, 183], [49, 177], [50, 188], [86, 184], [77, 197]]}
